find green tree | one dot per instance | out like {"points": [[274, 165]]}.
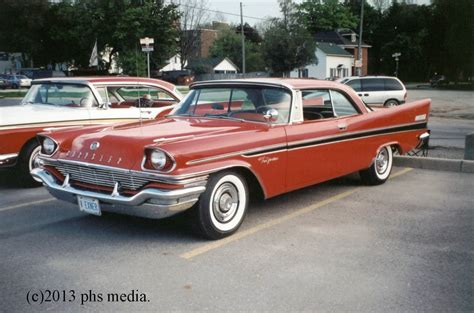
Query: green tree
{"points": [[229, 44], [325, 15], [22, 26], [287, 43], [450, 38], [405, 29], [50, 32]]}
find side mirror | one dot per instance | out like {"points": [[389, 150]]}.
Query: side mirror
{"points": [[271, 115]]}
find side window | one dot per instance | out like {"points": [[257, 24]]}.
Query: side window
{"points": [[146, 96], [392, 84], [342, 105], [316, 104], [373, 84], [355, 84]]}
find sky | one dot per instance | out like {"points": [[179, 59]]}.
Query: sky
{"points": [[260, 9], [252, 8]]}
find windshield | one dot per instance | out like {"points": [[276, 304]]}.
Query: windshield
{"points": [[68, 95], [239, 102]]}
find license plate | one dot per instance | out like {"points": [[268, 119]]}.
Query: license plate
{"points": [[89, 205]]}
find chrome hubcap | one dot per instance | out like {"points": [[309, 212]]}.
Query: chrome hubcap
{"points": [[225, 202], [381, 162], [34, 161]]}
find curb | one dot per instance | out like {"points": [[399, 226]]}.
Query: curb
{"points": [[437, 164]]}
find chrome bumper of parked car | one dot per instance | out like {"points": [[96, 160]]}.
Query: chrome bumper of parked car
{"points": [[8, 159], [150, 202]]}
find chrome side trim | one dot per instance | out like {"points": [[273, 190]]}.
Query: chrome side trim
{"points": [[7, 160], [287, 147], [236, 153], [4, 157], [297, 142]]}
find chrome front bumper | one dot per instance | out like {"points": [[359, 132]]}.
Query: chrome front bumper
{"points": [[150, 202]]}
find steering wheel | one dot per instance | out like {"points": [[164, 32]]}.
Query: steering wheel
{"points": [[313, 115]]}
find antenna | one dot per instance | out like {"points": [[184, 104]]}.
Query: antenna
{"points": [[138, 89]]}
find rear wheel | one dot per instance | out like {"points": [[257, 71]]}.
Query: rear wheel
{"points": [[391, 103], [27, 161], [380, 169], [222, 207]]}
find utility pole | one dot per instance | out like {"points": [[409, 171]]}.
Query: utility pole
{"points": [[243, 38], [359, 47]]}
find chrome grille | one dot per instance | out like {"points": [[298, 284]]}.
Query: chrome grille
{"points": [[102, 177], [108, 176]]}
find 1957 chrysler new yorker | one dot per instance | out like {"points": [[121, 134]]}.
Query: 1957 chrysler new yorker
{"points": [[224, 141]]}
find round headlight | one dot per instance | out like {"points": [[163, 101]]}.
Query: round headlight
{"points": [[48, 146], [158, 159]]}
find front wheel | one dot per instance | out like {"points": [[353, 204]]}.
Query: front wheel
{"points": [[380, 169], [27, 161], [222, 207]]}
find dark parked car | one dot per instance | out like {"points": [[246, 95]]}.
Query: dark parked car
{"points": [[4, 82], [438, 80], [182, 77]]}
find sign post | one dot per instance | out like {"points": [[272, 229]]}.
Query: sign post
{"points": [[147, 46], [396, 55]]}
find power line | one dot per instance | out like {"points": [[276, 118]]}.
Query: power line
{"points": [[226, 13]]}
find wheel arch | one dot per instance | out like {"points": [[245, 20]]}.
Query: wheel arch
{"points": [[26, 144], [392, 99], [252, 180]]}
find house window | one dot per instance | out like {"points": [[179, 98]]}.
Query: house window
{"points": [[303, 73]]}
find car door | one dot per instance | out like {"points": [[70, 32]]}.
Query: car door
{"points": [[373, 91], [318, 149]]}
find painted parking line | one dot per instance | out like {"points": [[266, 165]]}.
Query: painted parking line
{"points": [[16, 206], [242, 234]]}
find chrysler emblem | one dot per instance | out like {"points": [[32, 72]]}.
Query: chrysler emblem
{"points": [[95, 145]]}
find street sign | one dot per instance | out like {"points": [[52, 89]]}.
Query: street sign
{"points": [[147, 44], [396, 54], [358, 63]]}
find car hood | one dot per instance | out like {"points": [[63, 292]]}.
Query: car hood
{"points": [[123, 145]]}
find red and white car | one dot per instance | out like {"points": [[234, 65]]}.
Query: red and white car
{"points": [[225, 141], [58, 103]]}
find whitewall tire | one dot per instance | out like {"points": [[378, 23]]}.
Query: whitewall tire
{"points": [[222, 207], [380, 169]]}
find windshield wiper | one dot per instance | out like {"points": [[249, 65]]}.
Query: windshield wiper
{"points": [[220, 116]]}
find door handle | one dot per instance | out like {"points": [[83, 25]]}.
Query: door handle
{"points": [[342, 126], [359, 94], [366, 95]]}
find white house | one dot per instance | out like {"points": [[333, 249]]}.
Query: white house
{"points": [[332, 61], [173, 64], [225, 66]]}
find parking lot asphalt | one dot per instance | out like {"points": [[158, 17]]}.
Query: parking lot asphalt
{"points": [[338, 246]]}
